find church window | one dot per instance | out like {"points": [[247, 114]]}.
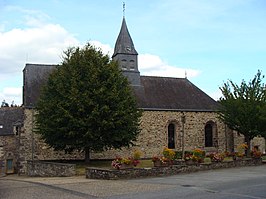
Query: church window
{"points": [[208, 135], [132, 64], [171, 136], [124, 64]]}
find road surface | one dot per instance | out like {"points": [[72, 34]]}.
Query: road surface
{"points": [[236, 183]]}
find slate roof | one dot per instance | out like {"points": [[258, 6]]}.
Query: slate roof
{"points": [[164, 93], [124, 43], [34, 76], [155, 93], [8, 117]]}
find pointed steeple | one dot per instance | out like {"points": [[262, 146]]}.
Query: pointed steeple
{"points": [[126, 55], [124, 43]]}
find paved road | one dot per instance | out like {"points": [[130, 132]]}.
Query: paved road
{"points": [[246, 182]]}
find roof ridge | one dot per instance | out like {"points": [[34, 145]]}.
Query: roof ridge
{"points": [[163, 77]]}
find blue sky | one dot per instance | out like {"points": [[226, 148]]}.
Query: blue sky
{"points": [[209, 40]]}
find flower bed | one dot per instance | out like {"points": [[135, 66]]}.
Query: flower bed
{"points": [[111, 174], [126, 163]]}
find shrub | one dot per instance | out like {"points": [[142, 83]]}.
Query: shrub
{"points": [[137, 154], [241, 150], [198, 155], [169, 153], [178, 155]]}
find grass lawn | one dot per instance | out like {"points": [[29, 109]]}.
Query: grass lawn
{"points": [[80, 166], [145, 164]]}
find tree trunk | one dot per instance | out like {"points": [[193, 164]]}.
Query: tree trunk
{"points": [[87, 155], [247, 141]]}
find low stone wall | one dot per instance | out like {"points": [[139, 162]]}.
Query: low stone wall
{"points": [[111, 174], [50, 169]]}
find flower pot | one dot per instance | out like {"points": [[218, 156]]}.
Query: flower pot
{"points": [[178, 162], [126, 166], [236, 158], [190, 162], [159, 163]]}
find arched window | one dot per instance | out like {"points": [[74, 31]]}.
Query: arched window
{"points": [[171, 136], [124, 64], [208, 135], [132, 64]]}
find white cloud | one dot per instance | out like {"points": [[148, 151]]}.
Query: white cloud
{"points": [[38, 45], [153, 65], [33, 45], [43, 42], [39, 42], [106, 48], [11, 94], [216, 95], [11, 91]]}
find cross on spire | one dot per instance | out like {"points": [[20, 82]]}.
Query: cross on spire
{"points": [[124, 9]]}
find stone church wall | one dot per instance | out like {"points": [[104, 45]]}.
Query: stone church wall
{"points": [[154, 133], [151, 141], [32, 147]]}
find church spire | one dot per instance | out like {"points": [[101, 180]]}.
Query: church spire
{"points": [[126, 55], [124, 43]]}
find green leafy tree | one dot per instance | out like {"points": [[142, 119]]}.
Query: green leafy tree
{"points": [[243, 107], [262, 120], [87, 104]]}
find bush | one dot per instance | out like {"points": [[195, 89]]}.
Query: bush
{"points": [[178, 155], [169, 153]]}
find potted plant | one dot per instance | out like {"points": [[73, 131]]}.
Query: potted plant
{"points": [[169, 154], [160, 161], [178, 158], [198, 155], [127, 163], [164, 160], [256, 154], [217, 157], [188, 157], [122, 163], [240, 151]]}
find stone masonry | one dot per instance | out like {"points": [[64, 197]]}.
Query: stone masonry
{"points": [[153, 136], [34, 148], [8, 146], [151, 140]]}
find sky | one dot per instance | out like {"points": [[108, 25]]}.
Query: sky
{"points": [[207, 41]]}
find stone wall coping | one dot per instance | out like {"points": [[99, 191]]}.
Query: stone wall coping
{"points": [[113, 174], [49, 162], [50, 169]]}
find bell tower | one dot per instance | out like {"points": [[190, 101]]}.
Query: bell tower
{"points": [[126, 55]]}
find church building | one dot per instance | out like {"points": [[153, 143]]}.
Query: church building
{"points": [[176, 113]]}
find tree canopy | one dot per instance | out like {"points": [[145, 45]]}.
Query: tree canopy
{"points": [[244, 106], [87, 104]]}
